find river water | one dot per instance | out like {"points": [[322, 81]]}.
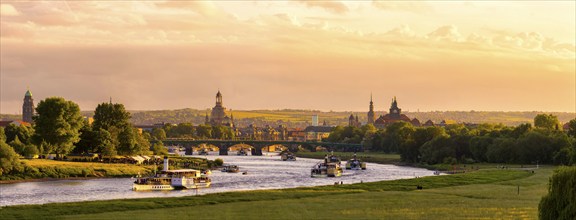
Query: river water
{"points": [[263, 172]]}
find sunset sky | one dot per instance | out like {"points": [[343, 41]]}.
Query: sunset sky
{"points": [[323, 55]]}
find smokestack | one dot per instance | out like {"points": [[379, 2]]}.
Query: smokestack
{"points": [[165, 169]]}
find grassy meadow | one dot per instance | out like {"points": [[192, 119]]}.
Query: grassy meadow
{"points": [[42, 168], [483, 194]]}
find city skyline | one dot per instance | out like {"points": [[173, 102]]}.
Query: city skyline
{"points": [[318, 55]]}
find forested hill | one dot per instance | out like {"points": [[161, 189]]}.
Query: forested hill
{"points": [[302, 118]]}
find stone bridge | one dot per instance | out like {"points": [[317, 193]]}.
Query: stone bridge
{"points": [[257, 145]]}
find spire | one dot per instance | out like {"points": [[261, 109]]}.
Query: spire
{"points": [[28, 93], [110, 99], [218, 98]]}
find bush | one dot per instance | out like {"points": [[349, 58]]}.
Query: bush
{"points": [[218, 162], [560, 203]]}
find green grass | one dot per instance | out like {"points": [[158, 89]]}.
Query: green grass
{"points": [[484, 194], [41, 168]]}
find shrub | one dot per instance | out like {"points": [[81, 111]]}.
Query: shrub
{"points": [[218, 162], [560, 203]]}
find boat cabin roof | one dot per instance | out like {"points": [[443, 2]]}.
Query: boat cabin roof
{"points": [[182, 171]]}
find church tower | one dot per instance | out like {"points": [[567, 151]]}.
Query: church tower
{"points": [[218, 113], [394, 110], [371, 116], [28, 107]]}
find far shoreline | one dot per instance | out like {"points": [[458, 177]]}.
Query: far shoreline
{"points": [[2, 182]]}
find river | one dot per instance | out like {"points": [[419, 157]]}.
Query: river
{"points": [[263, 172]]}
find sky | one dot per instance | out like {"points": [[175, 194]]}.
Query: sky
{"points": [[318, 55]]}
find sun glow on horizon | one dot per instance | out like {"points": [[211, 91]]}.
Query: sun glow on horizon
{"points": [[326, 55]]}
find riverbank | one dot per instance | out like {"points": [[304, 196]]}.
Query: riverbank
{"points": [[394, 159], [46, 170], [38, 170], [379, 158], [489, 193]]}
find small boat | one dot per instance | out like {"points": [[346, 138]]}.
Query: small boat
{"points": [[231, 169], [203, 152], [173, 179], [355, 164], [330, 167], [288, 156], [326, 170], [242, 152]]}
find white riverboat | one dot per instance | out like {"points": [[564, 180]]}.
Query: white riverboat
{"points": [[355, 164], [330, 167], [173, 179]]}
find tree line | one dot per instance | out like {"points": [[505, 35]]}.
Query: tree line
{"points": [[60, 129], [188, 130], [544, 142]]}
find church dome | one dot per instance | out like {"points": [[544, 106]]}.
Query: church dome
{"points": [[28, 93]]}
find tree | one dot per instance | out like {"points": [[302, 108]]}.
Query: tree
{"points": [[181, 130], [572, 128], [479, 147], [29, 151], [109, 115], [24, 133], [204, 131], [109, 150], [127, 141], [560, 203], [87, 140], [17, 145], [142, 143], [396, 135], [2, 135], [9, 161], [546, 121], [159, 149], [158, 134], [57, 124], [437, 150]]}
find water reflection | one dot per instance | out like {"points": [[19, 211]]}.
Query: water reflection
{"points": [[263, 172]]}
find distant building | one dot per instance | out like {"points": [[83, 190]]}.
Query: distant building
{"points": [[315, 120], [317, 133], [218, 115], [371, 115], [89, 120], [28, 107], [429, 123], [395, 115], [14, 122], [415, 122], [353, 121]]}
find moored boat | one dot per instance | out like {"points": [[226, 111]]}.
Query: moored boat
{"points": [[242, 152], [173, 179], [230, 168], [287, 156]]}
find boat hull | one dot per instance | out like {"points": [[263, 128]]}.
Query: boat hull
{"points": [[149, 187]]}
